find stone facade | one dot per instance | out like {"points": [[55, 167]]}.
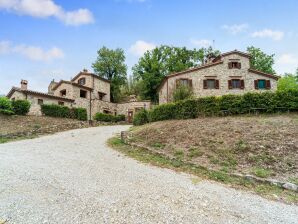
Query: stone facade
{"points": [[85, 90], [218, 69]]}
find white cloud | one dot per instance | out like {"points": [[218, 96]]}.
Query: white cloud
{"points": [[287, 59], [32, 52], [236, 28], [273, 34], [140, 47], [286, 63], [47, 8], [201, 43]]}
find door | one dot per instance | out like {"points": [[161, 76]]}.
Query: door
{"points": [[130, 116]]}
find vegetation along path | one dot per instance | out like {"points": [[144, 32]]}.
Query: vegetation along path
{"points": [[74, 177]]}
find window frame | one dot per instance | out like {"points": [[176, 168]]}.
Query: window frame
{"points": [[63, 92], [234, 65], [82, 81], [85, 93], [240, 86], [216, 83], [40, 101]]}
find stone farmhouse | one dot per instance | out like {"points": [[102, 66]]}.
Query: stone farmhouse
{"points": [[228, 73], [85, 90]]}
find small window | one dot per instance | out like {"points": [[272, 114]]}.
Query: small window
{"points": [[63, 92], [236, 84], [106, 112], [262, 84], [184, 82], [83, 94], [40, 101], [82, 81], [234, 64], [101, 95], [61, 103]]}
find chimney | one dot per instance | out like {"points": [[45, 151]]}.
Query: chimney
{"points": [[24, 84], [85, 70]]}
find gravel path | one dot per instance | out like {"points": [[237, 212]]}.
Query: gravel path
{"points": [[73, 177]]}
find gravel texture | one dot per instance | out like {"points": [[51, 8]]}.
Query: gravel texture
{"points": [[73, 177]]}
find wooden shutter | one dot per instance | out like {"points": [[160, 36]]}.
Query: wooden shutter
{"points": [[239, 65], [216, 84], [268, 84], [230, 65], [256, 84], [177, 83], [241, 84], [205, 84], [230, 84], [190, 83]]}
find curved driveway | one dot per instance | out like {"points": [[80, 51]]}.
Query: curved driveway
{"points": [[73, 177]]}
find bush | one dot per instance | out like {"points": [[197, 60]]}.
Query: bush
{"points": [[109, 117], [141, 118], [5, 106], [53, 110], [21, 107], [182, 93]]}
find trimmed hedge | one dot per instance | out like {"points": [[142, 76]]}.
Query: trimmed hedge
{"points": [[269, 102], [53, 110], [21, 107], [141, 117], [109, 117], [5, 106]]}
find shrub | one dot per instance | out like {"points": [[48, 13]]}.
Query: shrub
{"points": [[5, 106], [182, 93], [80, 114], [53, 110], [109, 117], [21, 107], [141, 117]]}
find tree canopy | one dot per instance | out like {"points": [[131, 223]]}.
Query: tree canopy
{"points": [[110, 64], [288, 82], [260, 60], [163, 60]]}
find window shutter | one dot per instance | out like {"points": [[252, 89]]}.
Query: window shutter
{"points": [[216, 84], [268, 84], [230, 65], [239, 65], [205, 84], [241, 84], [256, 84], [177, 83], [230, 84], [190, 83]]}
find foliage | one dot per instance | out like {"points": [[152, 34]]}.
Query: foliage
{"points": [[131, 87], [5, 106], [21, 107], [163, 60], [260, 60], [53, 110], [110, 64], [287, 82], [233, 104], [141, 117], [182, 93], [263, 173], [109, 117]]}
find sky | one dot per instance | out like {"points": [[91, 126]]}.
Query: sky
{"points": [[41, 40]]}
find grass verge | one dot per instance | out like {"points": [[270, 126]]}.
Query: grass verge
{"points": [[156, 159]]}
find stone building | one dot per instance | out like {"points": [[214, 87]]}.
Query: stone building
{"points": [[85, 90], [229, 73]]}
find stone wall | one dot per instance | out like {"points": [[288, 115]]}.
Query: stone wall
{"points": [[220, 72]]}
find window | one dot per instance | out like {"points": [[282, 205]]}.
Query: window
{"points": [[83, 93], [211, 84], [106, 111], [61, 103], [82, 81], [234, 64], [101, 95], [236, 84], [184, 82], [40, 102], [63, 92], [262, 84]]}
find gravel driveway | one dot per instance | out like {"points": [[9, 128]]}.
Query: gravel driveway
{"points": [[73, 177]]}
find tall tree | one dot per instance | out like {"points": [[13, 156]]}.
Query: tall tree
{"points": [[163, 60], [110, 64], [260, 60]]}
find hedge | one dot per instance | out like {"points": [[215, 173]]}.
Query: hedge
{"points": [[5, 106], [232, 104], [53, 110], [21, 107], [109, 117], [141, 117]]}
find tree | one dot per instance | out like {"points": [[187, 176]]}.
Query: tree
{"points": [[163, 60], [287, 82], [260, 60], [110, 64]]}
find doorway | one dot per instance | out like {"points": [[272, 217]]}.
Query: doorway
{"points": [[130, 116]]}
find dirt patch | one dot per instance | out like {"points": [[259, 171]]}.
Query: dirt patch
{"points": [[265, 146]]}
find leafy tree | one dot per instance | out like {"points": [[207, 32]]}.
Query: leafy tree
{"points": [[110, 64], [260, 60], [163, 60], [182, 93], [287, 82]]}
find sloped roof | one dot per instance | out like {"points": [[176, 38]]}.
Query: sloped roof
{"points": [[71, 83], [90, 74]]}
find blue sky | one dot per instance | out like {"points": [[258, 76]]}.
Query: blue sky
{"points": [[45, 39]]}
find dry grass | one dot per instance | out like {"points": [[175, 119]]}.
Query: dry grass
{"points": [[263, 145]]}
